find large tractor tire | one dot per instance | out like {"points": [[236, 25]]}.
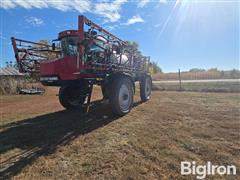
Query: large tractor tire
{"points": [[71, 97], [121, 96], [145, 87]]}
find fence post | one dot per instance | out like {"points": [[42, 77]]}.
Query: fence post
{"points": [[179, 77]]}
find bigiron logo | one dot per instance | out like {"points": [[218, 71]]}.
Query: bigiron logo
{"points": [[201, 171]]}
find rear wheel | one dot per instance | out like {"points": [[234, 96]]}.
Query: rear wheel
{"points": [[72, 97], [145, 87], [121, 97]]}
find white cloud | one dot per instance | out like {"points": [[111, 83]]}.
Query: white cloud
{"points": [[82, 5], [34, 21], [143, 3], [62, 5], [133, 20], [163, 1], [110, 28], [157, 25], [111, 11], [7, 4]]}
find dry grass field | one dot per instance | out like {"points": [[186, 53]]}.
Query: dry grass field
{"points": [[199, 86], [40, 140], [215, 74]]}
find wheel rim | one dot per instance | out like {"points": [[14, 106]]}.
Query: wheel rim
{"points": [[148, 87], [124, 97]]}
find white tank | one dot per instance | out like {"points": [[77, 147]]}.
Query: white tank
{"points": [[123, 60], [116, 57], [101, 39]]}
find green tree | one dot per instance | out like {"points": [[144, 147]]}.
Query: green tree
{"points": [[196, 70], [155, 68], [132, 47], [213, 70], [234, 73]]}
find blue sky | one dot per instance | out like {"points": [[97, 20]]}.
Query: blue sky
{"points": [[176, 34]]}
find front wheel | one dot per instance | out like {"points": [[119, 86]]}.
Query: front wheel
{"points": [[121, 97], [145, 87], [71, 97]]}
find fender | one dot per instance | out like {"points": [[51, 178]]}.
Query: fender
{"points": [[117, 75]]}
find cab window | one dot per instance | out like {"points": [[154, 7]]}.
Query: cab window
{"points": [[69, 46]]}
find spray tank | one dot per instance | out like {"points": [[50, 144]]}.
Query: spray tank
{"points": [[105, 47]]}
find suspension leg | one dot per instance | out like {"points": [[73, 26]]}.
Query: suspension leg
{"points": [[89, 97]]}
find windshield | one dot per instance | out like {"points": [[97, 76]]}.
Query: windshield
{"points": [[69, 46], [98, 46]]}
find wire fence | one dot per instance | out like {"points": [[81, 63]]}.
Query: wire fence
{"points": [[233, 74], [222, 81]]}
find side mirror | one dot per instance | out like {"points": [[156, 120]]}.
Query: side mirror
{"points": [[53, 46]]}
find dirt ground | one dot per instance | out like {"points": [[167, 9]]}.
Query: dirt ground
{"points": [[41, 140]]}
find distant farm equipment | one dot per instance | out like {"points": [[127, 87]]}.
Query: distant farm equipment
{"points": [[32, 91], [79, 59]]}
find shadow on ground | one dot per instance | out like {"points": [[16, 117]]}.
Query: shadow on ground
{"points": [[42, 135]]}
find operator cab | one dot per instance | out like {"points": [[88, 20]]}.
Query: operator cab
{"points": [[68, 42], [65, 66]]}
